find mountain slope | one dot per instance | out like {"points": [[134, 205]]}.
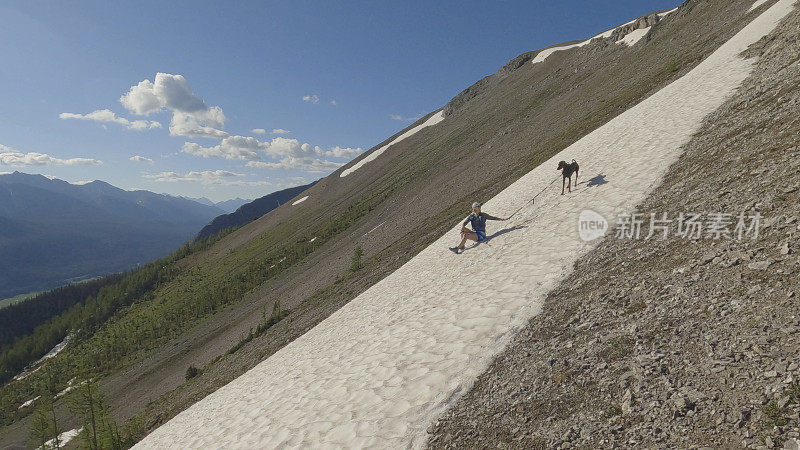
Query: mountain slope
{"points": [[380, 370], [683, 343], [55, 232], [393, 206], [250, 211], [228, 206], [232, 204]]}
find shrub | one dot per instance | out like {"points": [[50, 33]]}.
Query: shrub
{"points": [[356, 263], [192, 372]]}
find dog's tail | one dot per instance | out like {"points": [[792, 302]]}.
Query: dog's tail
{"points": [[573, 161]]}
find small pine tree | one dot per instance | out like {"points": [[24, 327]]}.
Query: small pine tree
{"points": [[100, 431], [276, 312], [41, 430], [45, 427], [86, 403], [356, 264]]}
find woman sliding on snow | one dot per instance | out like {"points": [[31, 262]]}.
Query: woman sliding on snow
{"points": [[478, 233]]}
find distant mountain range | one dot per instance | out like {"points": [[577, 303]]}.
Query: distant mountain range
{"points": [[226, 205], [53, 232], [249, 212]]}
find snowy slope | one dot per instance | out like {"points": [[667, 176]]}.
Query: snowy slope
{"points": [[542, 55], [432, 120], [635, 36], [379, 371], [630, 39]]}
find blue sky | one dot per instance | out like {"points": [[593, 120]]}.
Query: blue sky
{"points": [[81, 96]]}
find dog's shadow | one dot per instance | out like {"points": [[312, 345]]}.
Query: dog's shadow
{"points": [[597, 180]]}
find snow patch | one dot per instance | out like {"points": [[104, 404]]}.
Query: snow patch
{"points": [[635, 36], [607, 34], [25, 374], [52, 353], [63, 438], [56, 350], [297, 202], [30, 402], [542, 55], [313, 239], [69, 388], [433, 120], [630, 39], [380, 370], [666, 13]]}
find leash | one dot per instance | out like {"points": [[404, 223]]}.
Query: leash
{"points": [[534, 198]]}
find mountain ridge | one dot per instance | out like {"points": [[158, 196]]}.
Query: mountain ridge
{"points": [[56, 231], [250, 211]]}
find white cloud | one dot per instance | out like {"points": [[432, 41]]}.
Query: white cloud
{"points": [[142, 99], [231, 147], [258, 131], [404, 119], [333, 102], [108, 116], [191, 116], [281, 146], [140, 159], [41, 159], [11, 157], [347, 152], [290, 152], [311, 98], [215, 177], [250, 148], [206, 123], [306, 163], [280, 131]]}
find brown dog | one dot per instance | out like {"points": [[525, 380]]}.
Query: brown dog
{"points": [[566, 174]]}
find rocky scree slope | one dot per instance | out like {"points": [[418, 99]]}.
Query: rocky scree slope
{"points": [[675, 343]]}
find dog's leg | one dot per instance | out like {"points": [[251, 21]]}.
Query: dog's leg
{"points": [[569, 184], [563, 179], [576, 177]]}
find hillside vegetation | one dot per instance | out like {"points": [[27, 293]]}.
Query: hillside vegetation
{"points": [[190, 309], [250, 211]]}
